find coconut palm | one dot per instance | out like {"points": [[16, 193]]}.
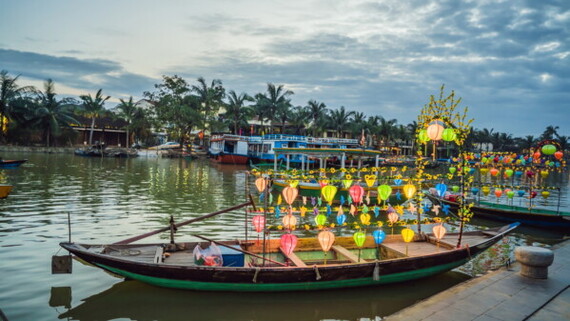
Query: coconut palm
{"points": [[9, 93], [210, 98], [387, 129], [236, 111], [550, 132], [51, 114], [317, 111], [127, 110], [526, 143], [358, 124], [276, 100], [299, 119], [340, 120], [93, 107]]}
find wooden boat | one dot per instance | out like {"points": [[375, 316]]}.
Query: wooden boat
{"points": [[5, 190], [506, 213], [229, 149], [11, 163], [246, 267]]}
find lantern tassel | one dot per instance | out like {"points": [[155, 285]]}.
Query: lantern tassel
{"points": [[376, 272]]}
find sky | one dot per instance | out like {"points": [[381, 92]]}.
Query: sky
{"points": [[509, 61]]}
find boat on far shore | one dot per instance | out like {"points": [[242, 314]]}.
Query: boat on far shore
{"points": [[11, 163]]}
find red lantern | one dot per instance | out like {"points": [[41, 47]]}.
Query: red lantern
{"points": [[532, 194], [536, 155], [289, 194], [356, 192], [494, 171], [288, 243], [498, 192], [258, 223], [558, 155]]}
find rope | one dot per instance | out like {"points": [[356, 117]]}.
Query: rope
{"points": [[318, 275], [257, 269]]}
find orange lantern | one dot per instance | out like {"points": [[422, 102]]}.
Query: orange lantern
{"points": [[289, 221], [558, 155], [289, 194], [439, 231], [536, 155], [261, 184], [494, 171], [498, 192], [435, 130], [326, 240], [288, 243]]}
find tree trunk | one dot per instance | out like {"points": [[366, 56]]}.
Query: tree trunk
{"points": [[91, 131]]}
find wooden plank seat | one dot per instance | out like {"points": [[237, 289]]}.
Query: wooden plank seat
{"points": [[346, 253], [293, 258]]}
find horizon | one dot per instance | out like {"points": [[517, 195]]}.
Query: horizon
{"points": [[508, 61]]}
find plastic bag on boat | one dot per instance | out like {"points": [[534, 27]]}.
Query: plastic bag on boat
{"points": [[210, 256]]}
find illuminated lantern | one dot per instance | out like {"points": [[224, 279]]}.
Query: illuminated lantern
{"points": [[448, 134], [346, 183], [328, 193], [408, 235], [258, 223], [532, 194], [486, 190], [359, 238], [326, 240], [378, 236], [439, 231], [474, 190], [558, 155], [384, 191], [509, 172], [340, 219], [320, 219], [393, 217], [494, 171], [409, 190], [455, 188], [529, 174], [520, 193], [484, 170], [536, 155], [544, 174], [423, 136], [452, 170], [261, 184], [441, 189], [356, 192], [289, 221], [288, 243], [545, 194], [289, 194], [498, 192], [365, 218], [323, 182], [548, 149], [435, 130], [370, 180]]}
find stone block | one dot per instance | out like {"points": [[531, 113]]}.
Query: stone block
{"points": [[534, 261]]}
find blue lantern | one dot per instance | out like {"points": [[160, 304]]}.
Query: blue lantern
{"points": [[441, 188], [378, 236], [340, 219]]}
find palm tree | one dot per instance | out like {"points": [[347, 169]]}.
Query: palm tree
{"points": [[317, 111], [550, 132], [339, 120], [277, 99], [51, 113], [9, 92], [127, 110], [358, 123], [564, 143], [210, 98], [259, 108], [298, 119], [387, 129], [235, 109], [526, 143], [93, 107]]}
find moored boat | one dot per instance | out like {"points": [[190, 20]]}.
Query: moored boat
{"points": [[229, 149], [5, 163]]}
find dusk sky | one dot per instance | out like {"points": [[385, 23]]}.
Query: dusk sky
{"points": [[508, 60]]}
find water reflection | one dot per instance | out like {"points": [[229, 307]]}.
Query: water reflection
{"points": [[133, 300]]}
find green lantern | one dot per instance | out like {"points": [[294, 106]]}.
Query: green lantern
{"points": [[384, 191], [448, 134], [423, 136], [359, 238], [548, 149], [320, 219]]}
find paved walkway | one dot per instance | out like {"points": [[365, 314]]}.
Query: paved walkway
{"points": [[501, 295]]}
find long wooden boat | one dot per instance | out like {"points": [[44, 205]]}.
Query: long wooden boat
{"points": [[11, 163], [346, 265], [5, 190], [542, 218]]}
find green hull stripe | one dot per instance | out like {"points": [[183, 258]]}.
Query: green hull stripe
{"points": [[279, 287]]}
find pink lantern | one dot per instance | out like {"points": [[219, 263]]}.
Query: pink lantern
{"points": [[289, 194], [288, 243], [356, 192], [393, 217], [258, 223]]}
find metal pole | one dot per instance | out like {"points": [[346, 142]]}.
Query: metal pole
{"points": [[246, 198]]}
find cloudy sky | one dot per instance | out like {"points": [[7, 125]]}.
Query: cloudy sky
{"points": [[508, 60]]}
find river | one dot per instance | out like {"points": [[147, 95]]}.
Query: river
{"points": [[112, 199]]}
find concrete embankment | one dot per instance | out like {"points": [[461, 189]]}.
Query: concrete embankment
{"points": [[34, 149]]}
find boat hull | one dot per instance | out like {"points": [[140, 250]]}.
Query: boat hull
{"points": [[230, 159], [5, 190], [12, 163], [508, 214]]}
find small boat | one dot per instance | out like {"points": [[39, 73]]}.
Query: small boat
{"points": [[229, 149], [542, 218], [5, 189], [11, 163], [264, 266]]}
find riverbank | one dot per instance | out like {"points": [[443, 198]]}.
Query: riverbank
{"points": [[34, 149]]}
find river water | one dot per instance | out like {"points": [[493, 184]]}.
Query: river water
{"points": [[112, 199]]}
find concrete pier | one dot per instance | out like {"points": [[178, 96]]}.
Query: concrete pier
{"points": [[502, 295]]}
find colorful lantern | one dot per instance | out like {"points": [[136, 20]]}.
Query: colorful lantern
{"points": [[261, 184], [370, 180], [365, 218], [408, 234], [545, 194], [293, 183], [435, 130], [498, 192], [532, 194], [441, 188], [288, 243], [329, 193], [346, 183], [509, 172], [384, 192], [548, 149], [393, 217], [326, 240], [448, 134], [258, 223], [484, 170], [558, 155], [378, 236], [510, 194], [455, 188], [359, 238], [439, 231], [320, 219], [536, 155], [323, 182], [494, 171], [340, 219], [486, 190], [289, 221], [409, 190], [520, 193], [289, 194], [452, 170], [544, 174], [356, 192], [423, 136]]}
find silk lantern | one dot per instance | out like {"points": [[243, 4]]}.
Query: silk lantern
{"points": [[365, 218], [494, 171], [393, 217], [370, 180], [378, 236], [359, 238], [320, 219], [408, 234], [435, 130], [261, 184], [498, 192], [346, 183], [329, 193], [409, 190], [452, 170], [545, 194], [439, 231], [384, 191], [558, 155], [441, 188], [448, 134], [258, 223], [356, 192], [289, 194], [486, 190], [288, 243], [289, 221], [548, 149], [423, 136], [326, 240]]}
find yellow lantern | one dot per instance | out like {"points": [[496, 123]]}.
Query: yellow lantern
{"points": [[346, 183], [303, 211], [409, 190], [435, 130], [326, 240], [328, 193], [260, 184], [289, 194], [545, 194], [370, 180], [408, 234], [289, 221], [544, 174], [365, 219]]}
